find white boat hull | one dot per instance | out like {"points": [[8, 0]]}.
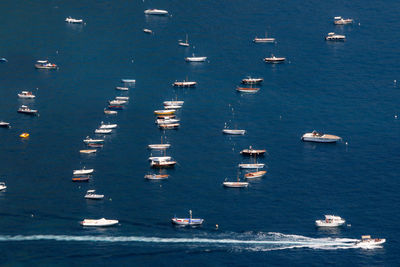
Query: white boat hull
{"points": [[83, 172], [159, 146], [236, 184], [98, 223], [325, 138], [234, 132], [251, 166], [195, 59], [323, 223], [187, 221]]}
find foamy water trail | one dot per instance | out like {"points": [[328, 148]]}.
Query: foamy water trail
{"points": [[252, 242]]}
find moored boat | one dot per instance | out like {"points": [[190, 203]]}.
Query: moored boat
{"points": [[26, 110], [195, 59], [115, 107], [251, 165], [264, 39], [156, 176], [165, 126], [233, 132], [253, 175], [165, 112], [95, 145], [247, 89], [91, 194], [155, 12], [4, 124], [250, 151], [341, 21], [184, 84], [147, 31], [330, 221], [172, 107], [161, 158], [117, 102], [108, 126], [250, 80], [163, 163], [185, 43], [335, 37], [274, 59], [83, 171], [167, 121], [128, 81], [171, 116], [2, 186], [90, 140], [159, 146], [110, 112], [315, 136], [24, 135], [126, 98], [187, 221], [98, 223], [103, 131], [88, 151], [3, 59], [45, 64], [26, 94], [81, 179], [72, 20], [172, 103], [122, 88]]}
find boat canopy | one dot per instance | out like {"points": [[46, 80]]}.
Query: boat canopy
{"points": [[42, 61], [365, 237], [338, 17]]}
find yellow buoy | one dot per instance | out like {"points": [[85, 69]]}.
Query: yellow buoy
{"points": [[24, 135]]}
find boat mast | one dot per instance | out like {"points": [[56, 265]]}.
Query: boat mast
{"points": [[190, 216]]}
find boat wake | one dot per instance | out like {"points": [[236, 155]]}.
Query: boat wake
{"points": [[246, 241]]}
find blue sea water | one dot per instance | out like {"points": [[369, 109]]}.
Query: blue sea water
{"points": [[346, 88]]}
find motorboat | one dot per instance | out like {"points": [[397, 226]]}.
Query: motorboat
{"points": [[117, 102], [95, 145], [4, 124], [250, 80], [335, 37], [126, 98], [166, 116], [341, 21], [195, 59], [172, 103], [368, 242], [186, 43], [27, 110], [159, 146], [108, 126], [165, 112], [330, 221], [110, 112], [156, 176], [237, 184], [250, 151], [172, 107], [155, 12], [274, 59], [166, 126], [81, 179], [184, 84], [264, 39], [91, 194], [253, 175], [147, 31], [315, 136], [3, 59], [26, 94], [128, 81], [115, 107], [88, 151], [233, 132], [83, 171], [90, 140], [187, 221], [24, 135], [167, 121], [45, 64], [161, 158], [247, 89], [2, 186], [162, 163], [71, 20], [120, 88], [98, 223], [103, 131], [251, 165]]}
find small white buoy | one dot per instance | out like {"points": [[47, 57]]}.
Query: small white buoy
{"points": [[32, 215], [160, 185], [110, 199], [132, 60], [395, 116], [347, 143], [359, 24], [57, 52], [216, 227], [280, 117]]}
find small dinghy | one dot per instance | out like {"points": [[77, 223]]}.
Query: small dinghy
{"points": [[108, 126], [254, 175], [187, 221], [234, 132], [102, 131], [81, 179], [83, 171], [121, 88], [330, 221], [4, 124], [156, 176], [26, 110], [98, 223], [91, 194], [88, 151], [26, 94], [115, 107], [90, 140], [2, 186]]}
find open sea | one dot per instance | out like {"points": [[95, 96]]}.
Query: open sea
{"points": [[344, 88]]}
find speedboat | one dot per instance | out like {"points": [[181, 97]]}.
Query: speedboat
{"points": [[160, 158], [274, 59], [108, 126], [159, 146], [164, 112], [184, 84], [90, 140], [81, 179], [110, 112], [122, 98], [155, 12], [147, 31], [250, 151], [91, 194], [156, 176], [167, 121], [247, 89], [122, 88], [335, 37], [251, 165], [26, 94], [165, 126], [172, 103], [117, 102], [320, 138], [26, 110], [162, 163], [71, 20], [128, 80], [83, 171], [187, 221], [88, 151], [4, 124], [45, 64], [2, 186], [368, 242], [195, 59], [186, 43], [264, 39], [253, 175], [102, 131], [99, 222], [250, 80], [330, 221], [234, 132], [341, 21]]}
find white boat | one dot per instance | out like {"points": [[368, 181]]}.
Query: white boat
{"points": [[274, 59], [26, 94], [147, 31], [167, 121], [264, 39], [27, 110], [165, 126], [110, 112], [314, 136], [368, 242], [341, 21], [99, 222], [90, 140], [162, 163], [251, 165], [4, 124], [45, 64], [330, 221], [155, 12], [250, 80], [172, 106], [117, 102], [254, 175], [247, 89], [161, 158], [234, 132], [122, 98], [236, 184], [187, 221], [91, 194], [83, 171], [251, 151], [156, 176], [88, 151], [195, 59], [108, 126], [184, 84], [335, 37], [2, 186], [186, 43], [102, 131], [128, 80], [72, 20], [159, 146], [121, 88], [164, 112], [171, 103]]}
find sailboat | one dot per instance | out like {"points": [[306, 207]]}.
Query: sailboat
{"points": [[159, 146], [186, 44], [154, 176], [232, 131], [187, 221], [247, 89], [264, 39], [237, 184], [254, 165]]}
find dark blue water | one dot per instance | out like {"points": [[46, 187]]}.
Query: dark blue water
{"points": [[345, 89]]}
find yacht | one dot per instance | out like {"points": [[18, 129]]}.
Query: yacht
{"points": [[172, 102], [172, 106], [164, 112], [2, 186], [121, 88], [110, 112], [187, 221], [71, 20], [128, 81], [314, 136], [99, 222], [368, 242], [273, 59], [162, 163], [26, 110], [341, 21], [167, 121], [330, 221], [155, 12], [26, 94], [117, 102], [45, 64], [91, 194], [126, 98], [237, 184], [90, 140], [335, 37], [159, 146]]}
